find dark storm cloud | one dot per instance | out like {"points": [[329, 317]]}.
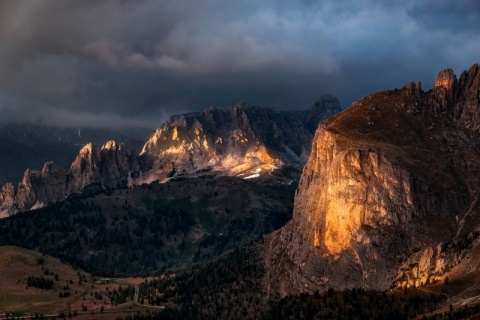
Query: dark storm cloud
{"points": [[136, 62], [455, 16]]}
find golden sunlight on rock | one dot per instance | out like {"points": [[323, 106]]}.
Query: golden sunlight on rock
{"points": [[387, 206], [263, 155], [175, 134], [342, 224]]}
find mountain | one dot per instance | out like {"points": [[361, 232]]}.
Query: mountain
{"points": [[243, 140], [389, 195], [218, 195], [385, 222], [107, 167], [233, 140], [31, 145]]}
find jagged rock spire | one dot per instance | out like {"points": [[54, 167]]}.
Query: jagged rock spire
{"points": [[446, 79]]}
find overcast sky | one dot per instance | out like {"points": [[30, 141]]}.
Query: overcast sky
{"points": [[120, 63]]}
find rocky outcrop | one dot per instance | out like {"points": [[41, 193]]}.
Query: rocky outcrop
{"points": [[41, 187], [108, 167], [7, 199], [447, 80], [389, 195], [233, 139], [466, 110]]}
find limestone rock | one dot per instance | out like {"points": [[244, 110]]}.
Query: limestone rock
{"points": [[49, 184], [389, 195], [7, 200], [108, 166], [84, 169], [26, 197], [224, 140], [467, 107], [446, 79]]}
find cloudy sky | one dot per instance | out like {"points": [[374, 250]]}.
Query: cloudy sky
{"points": [[121, 63]]}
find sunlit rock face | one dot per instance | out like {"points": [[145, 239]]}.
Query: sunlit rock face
{"points": [[446, 79], [389, 195], [233, 139], [108, 166]]}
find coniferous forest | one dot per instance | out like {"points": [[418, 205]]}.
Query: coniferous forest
{"points": [[151, 227]]}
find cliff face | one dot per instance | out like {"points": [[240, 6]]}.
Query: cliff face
{"points": [[389, 195], [40, 187], [108, 166], [233, 140]]}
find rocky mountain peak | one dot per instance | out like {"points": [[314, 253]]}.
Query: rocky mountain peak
{"points": [[445, 90], [86, 149], [111, 145], [467, 108], [390, 188], [446, 79], [235, 139], [324, 107], [108, 166]]}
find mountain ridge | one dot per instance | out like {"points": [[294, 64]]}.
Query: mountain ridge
{"points": [[214, 141], [231, 139]]}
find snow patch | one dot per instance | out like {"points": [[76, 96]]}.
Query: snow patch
{"points": [[256, 175]]}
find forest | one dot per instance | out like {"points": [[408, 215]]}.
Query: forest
{"points": [[150, 228]]}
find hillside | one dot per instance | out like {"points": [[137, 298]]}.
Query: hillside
{"points": [[152, 227], [34, 283]]}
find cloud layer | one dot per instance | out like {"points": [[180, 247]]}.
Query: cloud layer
{"points": [[116, 63]]}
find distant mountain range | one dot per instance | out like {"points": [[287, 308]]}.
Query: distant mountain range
{"points": [[220, 142]]}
